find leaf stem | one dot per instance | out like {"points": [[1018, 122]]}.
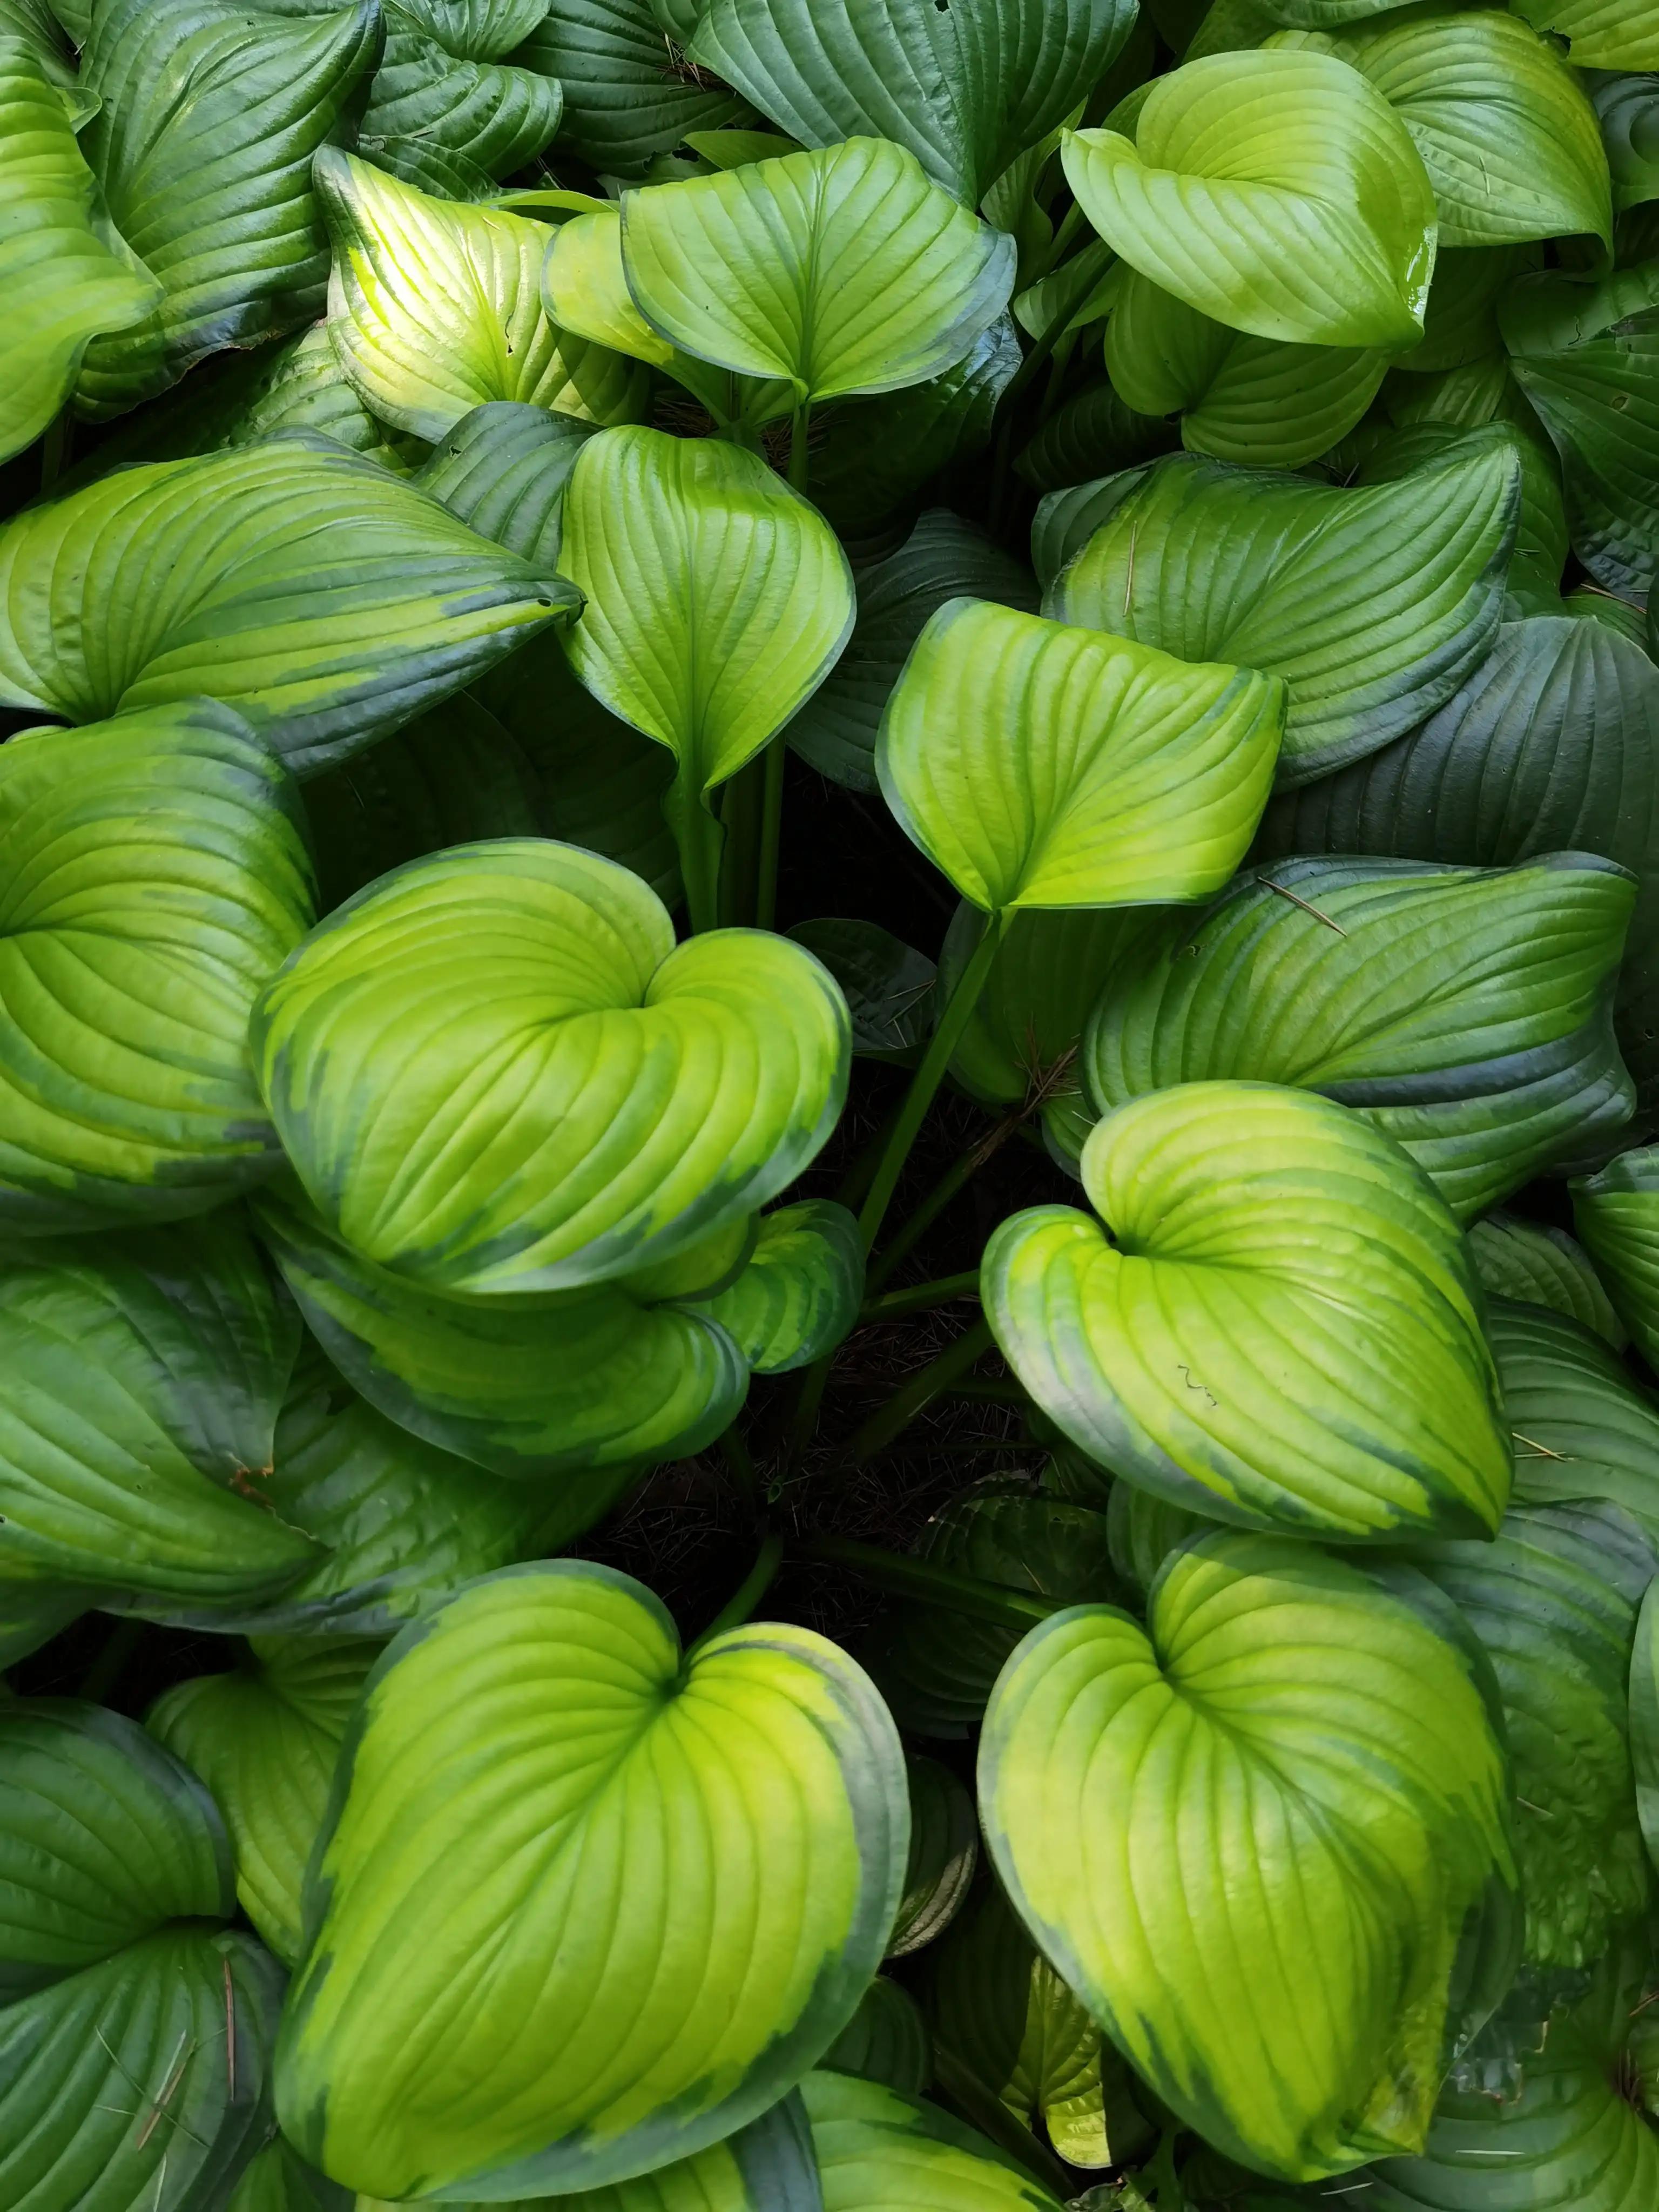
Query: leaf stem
{"points": [[741, 800], [923, 1297], [941, 1586], [700, 839], [908, 1403], [740, 1465], [924, 1084], [747, 1596], [56, 446], [771, 834], [800, 461]]}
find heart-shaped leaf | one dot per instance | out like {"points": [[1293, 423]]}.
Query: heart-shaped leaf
{"points": [[157, 879], [63, 281], [944, 1855], [1354, 1810], [757, 1785], [717, 600], [1604, 35], [104, 1838], [443, 90], [435, 307], [1242, 398], [1507, 135], [1374, 605], [265, 1740], [1617, 1215], [877, 2152], [503, 469], [800, 1294], [1468, 1012], [623, 100], [143, 1376], [1276, 192], [299, 583], [1553, 1600], [943, 558], [840, 271], [966, 90], [212, 191], [1279, 1325], [1532, 1264], [1038, 765], [1581, 1428], [625, 1097]]}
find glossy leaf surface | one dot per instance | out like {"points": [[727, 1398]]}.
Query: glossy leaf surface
{"points": [[622, 105], [1580, 1427], [1617, 1214], [879, 2152], [447, 89], [1537, 1265], [799, 1296]]}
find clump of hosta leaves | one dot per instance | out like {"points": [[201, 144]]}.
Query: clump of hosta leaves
{"points": [[829, 1105]]}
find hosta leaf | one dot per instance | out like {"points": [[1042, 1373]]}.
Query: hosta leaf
{"points": [[300, 385], [32, 1613], [266, 1739], [503, 470], [1277, 192], [944, 1854], [435, 307], [1627, 109], [887, 2039], [1586, 355], [495, 1832], [274, 2181], [966, 90], [888, 985], [1282, 1328], [1581, 1428], [1373, 605], [431, 97], [35, 24], [104, 1838], [800, 1294], [1000, 2009], [624, 1096], [321, 598], [592, 1382], [1509, 139], [1468, 1013], [1038, 765], [213, 190], [1351, 1806], [1644, 1719], [64, 281], [841, 271], [478, 30], [1617, 1215], [142, 1378], [1533, 582], [717, 600], [1611, 35], [879, 2152], [1091, 431], [1537, 1264], [943, 558], [1242, 398], [624, 98], [143, 2081], [157, 879], [935, 1668], [1550, 744]]}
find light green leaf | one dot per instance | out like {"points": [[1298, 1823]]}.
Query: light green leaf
{"points": [[1508, 137], [717, 600], [943, 558], [1533, 582], [624, 1098], [1467, 1012], [842, 271], [734, 149], [503, 470], [1611, 35], [1534, 1264], [1580, 1428], [887, 2040], [157, 879], [435, 307], [1242, 398], [300, 385], [1038, 765], [276, 2180], [38, 27], [1551, 742], [103, 1839], [1586, 355], [321, 598], [181, 2023], [888, 985], [1277, 192], [1553, 1600], [593, 1384], [624, 97], [1278, 1326], [799, 1297], [266, 1739], [1372, 606], [758, 1788], [212, 191], [144, 1375], [1616, 1216], [443, 88], [1354, 1809], [63, 281], [1067, 518], [965, 89], [1627, 109], [1002, 2011], [879, 2152], [944, 1855]]}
